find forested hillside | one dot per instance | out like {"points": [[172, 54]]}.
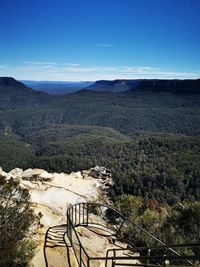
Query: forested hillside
{"points": [[130, 112], [148, 137]]}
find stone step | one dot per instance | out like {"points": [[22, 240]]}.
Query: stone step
{"points": [[55, 241], [58, 230], [50, 244], [59, 227], [56, 234], [54, 238]]}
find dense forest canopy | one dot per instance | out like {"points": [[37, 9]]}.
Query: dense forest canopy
{"points": [[148, 135]]}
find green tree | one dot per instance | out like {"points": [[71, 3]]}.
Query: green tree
{"points": [[183, 225], [129, 205], [16, 217]]}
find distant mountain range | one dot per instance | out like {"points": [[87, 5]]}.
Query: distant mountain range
{"points": [[175, 86], [146, 106], [15, 94], [57, 87], [115, 86]]}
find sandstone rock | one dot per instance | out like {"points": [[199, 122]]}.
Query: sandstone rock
{"points": [[45, 176], [85, 174], [31, 173], [51, 195], [37, 175], [16, 173]]}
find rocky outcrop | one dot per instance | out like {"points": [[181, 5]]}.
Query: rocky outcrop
{"points": [[51, 195], [103, 174]]}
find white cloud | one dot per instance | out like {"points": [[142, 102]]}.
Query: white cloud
{"points": [[71, 64], [39, 63], [38, 70]]}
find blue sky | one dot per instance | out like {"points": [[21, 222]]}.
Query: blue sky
{"points": [[99, 39]]}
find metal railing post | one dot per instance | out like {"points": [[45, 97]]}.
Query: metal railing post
{"points": [[80, 256], [165, 261], [83, 213], [114, 256], [148, 255], [79, 214], [87, 213], [72, 214], [75, 213], [45, 257]]}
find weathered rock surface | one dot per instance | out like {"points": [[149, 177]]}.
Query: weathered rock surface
{"points": [[51, 195]]}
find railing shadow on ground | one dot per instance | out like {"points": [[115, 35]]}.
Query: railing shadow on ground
{"points": [[56, 248], [111, 222]]}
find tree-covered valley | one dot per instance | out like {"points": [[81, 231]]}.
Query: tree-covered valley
{"points": [[148, 135]]}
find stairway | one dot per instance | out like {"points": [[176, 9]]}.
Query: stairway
{"points": [[56, 236], [57, 249]]}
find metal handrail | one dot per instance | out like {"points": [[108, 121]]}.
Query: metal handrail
{"points": [[44, 248], [79, 242], [78, 215], [149, 257]]}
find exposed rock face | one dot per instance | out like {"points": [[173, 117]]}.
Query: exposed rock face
{"points": [[103, 174], [52, 193], [114, 86]]}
